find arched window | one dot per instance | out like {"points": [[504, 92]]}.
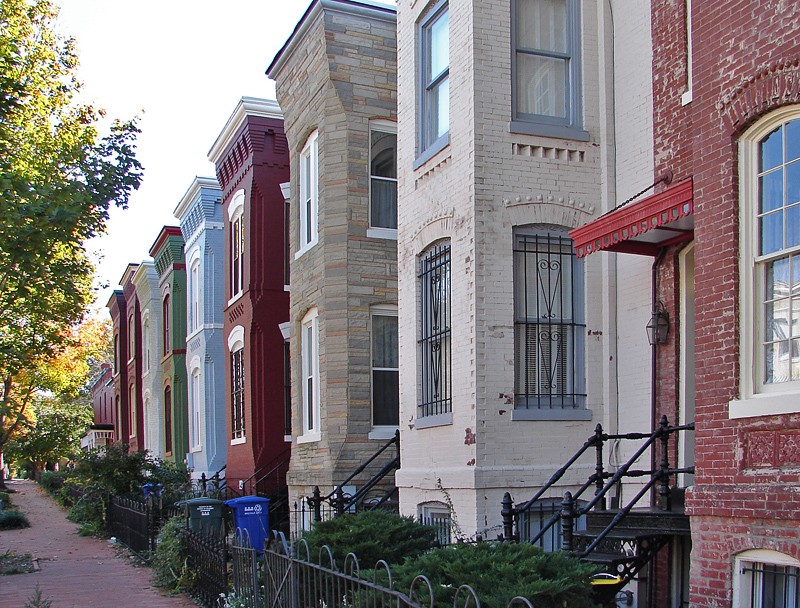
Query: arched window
{"points": [[166, 312], [236, 217], [168, 420]]}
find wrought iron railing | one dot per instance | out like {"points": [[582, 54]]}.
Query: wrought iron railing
{"points": [[602, 481], [207, 558], [342, 502], [270, 478], [136, 524]]}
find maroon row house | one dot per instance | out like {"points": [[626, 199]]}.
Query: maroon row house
{"points": [[252, 161]]}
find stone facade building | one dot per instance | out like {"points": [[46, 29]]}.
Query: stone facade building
{"points": [[336, 84], [167, 253], [252, 161], [200, 216]]}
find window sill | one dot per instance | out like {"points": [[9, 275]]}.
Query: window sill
{"points": [[766, 404], [686, 98], [287, 438], [428, 422], [239, 441], [535, 128], [309, 437], [383, 432], [235, 298], [286, 288], [305, 248], [551, 414], [382, 233], [196, 449], [432, 150]]}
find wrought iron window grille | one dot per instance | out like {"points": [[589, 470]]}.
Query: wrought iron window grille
{"points": [[434, 341]]}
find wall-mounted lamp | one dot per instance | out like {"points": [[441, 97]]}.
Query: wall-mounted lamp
{"points": [[658, 327]]}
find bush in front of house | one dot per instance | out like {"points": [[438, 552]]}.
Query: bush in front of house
{"points": [[170, 569], [371, 536], [13, 520], [498, 572]]}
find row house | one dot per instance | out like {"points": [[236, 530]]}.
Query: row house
{"points": [[200, 215], [167, 254], [252, 161], [101, 432], [506, 336], [149, 297], [723, 236], [336, 83]]}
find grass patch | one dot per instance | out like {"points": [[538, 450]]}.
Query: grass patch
{"points": [[13, 520], [16, 563]]}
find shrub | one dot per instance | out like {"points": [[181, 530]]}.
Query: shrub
{"points": [[52, 482], [371, 536], [13, 520], [5, 499], [499, 572], [170, 569]]}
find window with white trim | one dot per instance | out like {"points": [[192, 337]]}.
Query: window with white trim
{"points": [[546, 68], [770, 264], [237, 393], [434, 81], [766, 579], [195, 408], [194, 296], [309, 364], [131, 338], [548, 320], [236, 217], [165, 309], [383, 177], [132, 410], [437, 514], [309, 193], [146, 343], [385, 367]]}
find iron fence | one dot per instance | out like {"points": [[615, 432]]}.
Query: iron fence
{"points": [[136, 524], [207, 558], [246, 570]]}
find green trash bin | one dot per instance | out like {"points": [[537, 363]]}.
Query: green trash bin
{"points": [[204, 515]]}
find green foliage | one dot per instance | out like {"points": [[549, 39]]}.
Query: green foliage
{"points": [[371, 536], [115, 471], [499, 572], [58, 180], [52, 482], [170, 568], [13, 520], [37, 600], [5, 499]]}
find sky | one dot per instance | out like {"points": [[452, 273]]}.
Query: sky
{"points": [[181, 66]]}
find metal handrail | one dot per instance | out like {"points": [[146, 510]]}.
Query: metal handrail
{"points": [[510, 513]]}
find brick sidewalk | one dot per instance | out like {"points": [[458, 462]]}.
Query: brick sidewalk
{"points": [[76, 571]]}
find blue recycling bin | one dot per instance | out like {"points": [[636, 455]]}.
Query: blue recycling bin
{"points": [[251, 513]]}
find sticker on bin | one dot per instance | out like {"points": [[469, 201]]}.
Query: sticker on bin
{"points": [[205, 510], [252, 510]]}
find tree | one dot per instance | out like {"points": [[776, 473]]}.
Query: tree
{"points": [[61, 407], [57, 182]]}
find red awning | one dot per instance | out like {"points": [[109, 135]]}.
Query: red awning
{"points": [[642, 226]]}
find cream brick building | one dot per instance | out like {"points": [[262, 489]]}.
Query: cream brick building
{"points": [[506, 122], [336, 85]]}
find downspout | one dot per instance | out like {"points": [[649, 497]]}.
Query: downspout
{"points": [[653, 358]]}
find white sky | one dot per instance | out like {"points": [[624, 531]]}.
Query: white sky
{"points": [[185, 64]]}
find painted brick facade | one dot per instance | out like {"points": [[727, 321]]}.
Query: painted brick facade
{"points": [[335, 75], [252, 161], [132, 358], [200, 216]]}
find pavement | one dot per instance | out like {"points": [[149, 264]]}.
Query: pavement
{"points": [[74, 571]]}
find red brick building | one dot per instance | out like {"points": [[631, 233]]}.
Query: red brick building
{"points": [[118, 311], [726, 128], [252, 161]]}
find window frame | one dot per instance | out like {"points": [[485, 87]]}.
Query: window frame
{"points": [[132, 430], [236, 245], [195, 439], [165, 309], [131, 337], [429, 144], [434, 401], [571, 126], [310, 413], [168, 436], [757, 398], [194, 296], [745, 564], [308, 195], [374, 231], [540, 405], [382, 431]]}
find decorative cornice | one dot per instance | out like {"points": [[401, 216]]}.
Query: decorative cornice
{"points": [[770, 87], [129, 271], [358, 8], [247, 106], [165, 233], [193, 192]]}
